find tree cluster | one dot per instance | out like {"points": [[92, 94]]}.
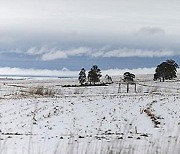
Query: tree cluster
{"points": [[166, 70], [93, 77]]}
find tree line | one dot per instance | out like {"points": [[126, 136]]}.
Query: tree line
{"points": [[167, 70]]}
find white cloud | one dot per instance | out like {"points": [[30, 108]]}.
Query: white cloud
{"points": [[125, 52], [61, 54], [53, 54], [36, 51]]}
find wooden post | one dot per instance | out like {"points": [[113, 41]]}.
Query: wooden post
{"points": [[127, 87]]}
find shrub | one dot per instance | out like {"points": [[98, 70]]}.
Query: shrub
{"points": [[41, 91]]}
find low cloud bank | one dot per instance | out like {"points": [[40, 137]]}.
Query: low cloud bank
{"points": [[67, 73], [50, 54], [120, 53], [134, 71], [36, 72]]}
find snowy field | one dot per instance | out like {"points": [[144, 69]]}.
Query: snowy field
{"points": [[42, 117]]}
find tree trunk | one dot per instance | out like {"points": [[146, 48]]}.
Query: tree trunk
{"points": [[127, 87], [135, 87]]}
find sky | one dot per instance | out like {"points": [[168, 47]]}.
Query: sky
{"points": [[71, 34]]}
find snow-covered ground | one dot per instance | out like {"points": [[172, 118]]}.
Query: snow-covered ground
{"points": [[40, 116]]}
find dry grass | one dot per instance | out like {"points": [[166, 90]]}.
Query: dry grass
{"points": [[125, 145], [41, 91]]}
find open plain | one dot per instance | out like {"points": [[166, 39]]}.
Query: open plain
{"points": [[39, 116]]}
